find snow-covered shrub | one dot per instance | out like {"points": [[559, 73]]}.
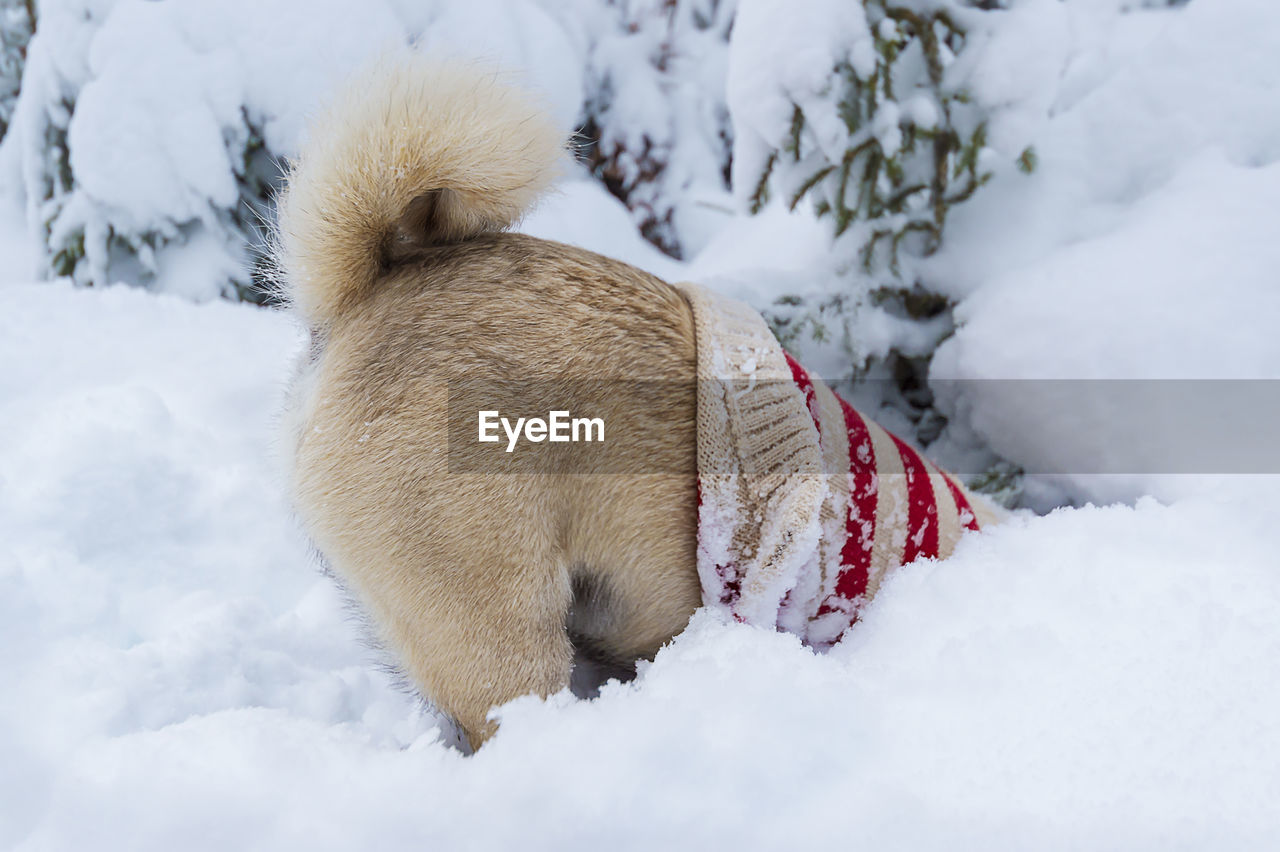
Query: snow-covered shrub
{"points": [[870, 121], [17, 18], [148, 137], [144, 137], [861, 110], [152, 134], [657, 126], [904, 140], [887, 118]]}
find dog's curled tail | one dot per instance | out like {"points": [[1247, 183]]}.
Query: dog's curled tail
{"points": [[412, 153]]}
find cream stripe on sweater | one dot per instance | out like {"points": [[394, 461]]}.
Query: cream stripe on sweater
{"points": [[776, 511]]}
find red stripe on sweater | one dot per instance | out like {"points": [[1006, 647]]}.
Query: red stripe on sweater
{"points": [[803, 381], [922, 511], [801, 377], [860, 528], [967, 515], [860, 522]]}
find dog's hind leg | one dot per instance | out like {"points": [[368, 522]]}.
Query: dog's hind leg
{"points": [[469, 599], [470, 647]]}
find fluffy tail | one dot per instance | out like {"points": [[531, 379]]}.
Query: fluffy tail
{"points": [[418, 153]]}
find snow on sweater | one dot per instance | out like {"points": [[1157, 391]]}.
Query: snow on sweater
{"points": [[804, 504]]}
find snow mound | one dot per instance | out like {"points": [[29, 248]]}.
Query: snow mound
{"points": [[179, 675], [1142, 247]]}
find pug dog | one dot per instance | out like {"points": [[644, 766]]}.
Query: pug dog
{"points": [[483, 574]]}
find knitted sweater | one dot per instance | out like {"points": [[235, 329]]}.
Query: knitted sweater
{"points": [[804, 504]]}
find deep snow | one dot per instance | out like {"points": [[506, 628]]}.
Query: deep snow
{"points": [[177, 673]]}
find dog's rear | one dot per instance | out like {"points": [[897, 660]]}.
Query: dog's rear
{"points": [[393, 251]]}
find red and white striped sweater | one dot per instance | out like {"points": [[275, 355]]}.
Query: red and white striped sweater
{"points": [[805, 505]]}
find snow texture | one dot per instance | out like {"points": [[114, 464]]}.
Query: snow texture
{"points": [[1142, 247], [179, 675]]}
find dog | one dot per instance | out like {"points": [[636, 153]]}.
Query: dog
{"points": [[483, 574], [393, 251]]}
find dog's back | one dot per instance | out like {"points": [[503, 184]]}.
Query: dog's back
{"points": [[479, 574]]}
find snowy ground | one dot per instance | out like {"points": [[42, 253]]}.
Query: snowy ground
{"points": [[178, 675]]}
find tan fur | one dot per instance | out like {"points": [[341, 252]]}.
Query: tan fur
{"points": [[415, 152], [478, 580]]}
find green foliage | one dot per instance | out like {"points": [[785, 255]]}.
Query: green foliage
{"points": [[792, 319], [1027, 161], [1002, 481], [65, 247], [69, 254], [916, 143], [885, 152]]}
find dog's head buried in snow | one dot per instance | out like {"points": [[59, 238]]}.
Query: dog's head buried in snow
{"points": [[725, 473]]}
